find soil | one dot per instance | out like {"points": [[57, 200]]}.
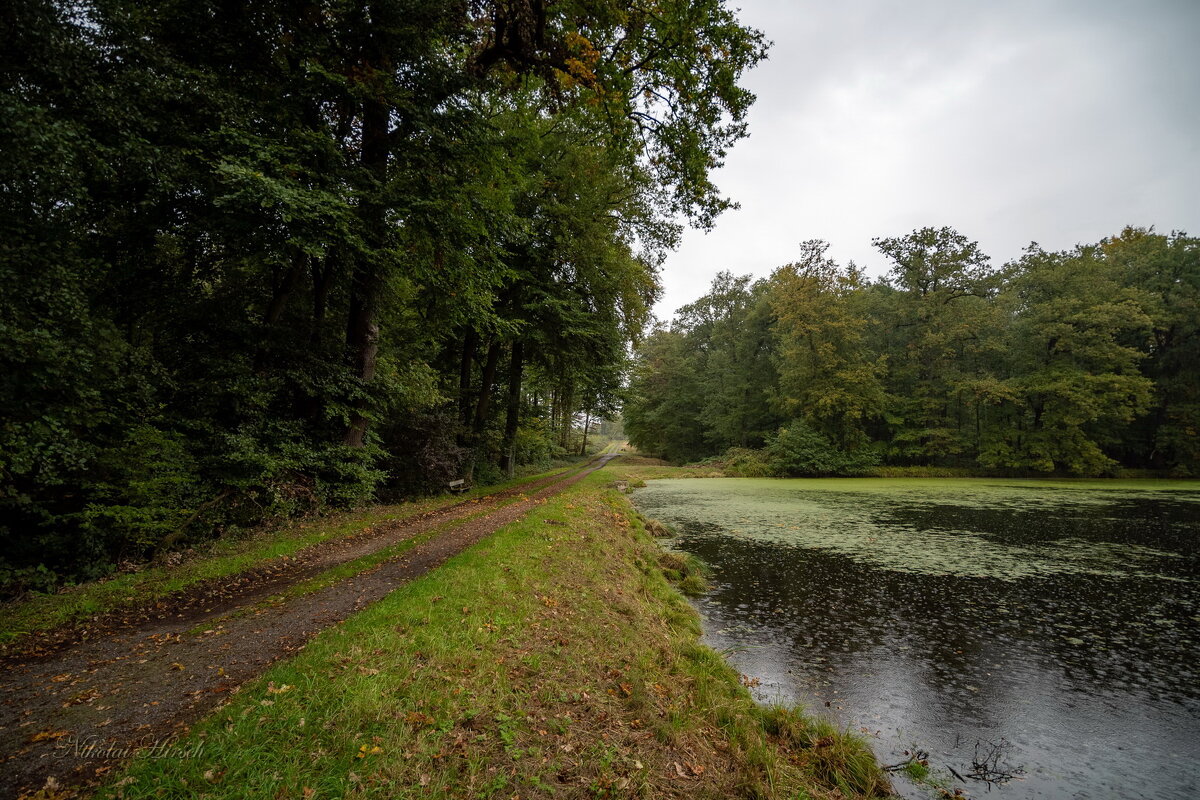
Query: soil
{"points": [[141, 679]]}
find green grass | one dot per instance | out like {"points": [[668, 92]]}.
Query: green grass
{"points": [[639, 469], [345, 570], [221, 558], [552, 659], [687, 572]]}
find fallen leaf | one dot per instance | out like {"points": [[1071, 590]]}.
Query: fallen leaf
{"points": [[364, 751]]}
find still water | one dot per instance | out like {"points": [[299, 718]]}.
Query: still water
{"points": [[1053, 626]]}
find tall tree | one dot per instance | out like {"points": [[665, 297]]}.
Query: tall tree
{"points": [[827, 375], [943, 284], [1074, 373], [1167, 270]]}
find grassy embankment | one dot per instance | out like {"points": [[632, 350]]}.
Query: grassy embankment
{"points": [[222, 559], [552, 659]]}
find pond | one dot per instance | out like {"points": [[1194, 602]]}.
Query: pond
{"points": [[1047, 631]]}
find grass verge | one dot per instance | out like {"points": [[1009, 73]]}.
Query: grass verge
{"points": [[215, 560], [553, 659]]}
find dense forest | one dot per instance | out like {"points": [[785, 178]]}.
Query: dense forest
{"points": [[261, 258], [1084, 362]]}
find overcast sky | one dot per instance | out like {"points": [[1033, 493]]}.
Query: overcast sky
{"points": [[1012, 121]]}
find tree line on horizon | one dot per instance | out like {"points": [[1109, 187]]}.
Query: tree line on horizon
{"points": [[262, 258], [1081, 362]]}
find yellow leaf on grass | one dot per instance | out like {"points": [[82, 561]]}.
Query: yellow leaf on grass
{"points": [[364, 751]]}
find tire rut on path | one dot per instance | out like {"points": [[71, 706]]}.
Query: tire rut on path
{"points": [[216, 597], [144, 686]]}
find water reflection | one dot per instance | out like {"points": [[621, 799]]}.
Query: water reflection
{"points": [[940, 614]]}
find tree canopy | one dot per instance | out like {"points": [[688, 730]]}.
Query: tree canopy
{"points": [[263, 257], [1081, 362]]}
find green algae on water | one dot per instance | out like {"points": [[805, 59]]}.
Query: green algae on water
{"points": [[932, 527]]}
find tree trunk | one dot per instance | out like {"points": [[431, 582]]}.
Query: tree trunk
{"points": [[587, 423], [464, 377], [481, 408], [362, 329], [322, 279], [281, 292], [485, 389], [508, 453], [566, 415]]}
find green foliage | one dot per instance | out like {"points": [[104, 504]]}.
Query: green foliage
{"points": [[1081, 362], [257, 262], [149, 491], [535, 444], [1073, 364], [826, 373], [799, 450], [743, 462], [720, 350]]}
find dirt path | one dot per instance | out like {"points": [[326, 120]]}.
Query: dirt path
{"points": [[143, 684], [213, 598]]}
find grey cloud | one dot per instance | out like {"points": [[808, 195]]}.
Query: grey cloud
{"points": [[1058, 122]]}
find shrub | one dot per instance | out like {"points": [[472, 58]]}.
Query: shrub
{"points": [[742, 462], [801, 450]]}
